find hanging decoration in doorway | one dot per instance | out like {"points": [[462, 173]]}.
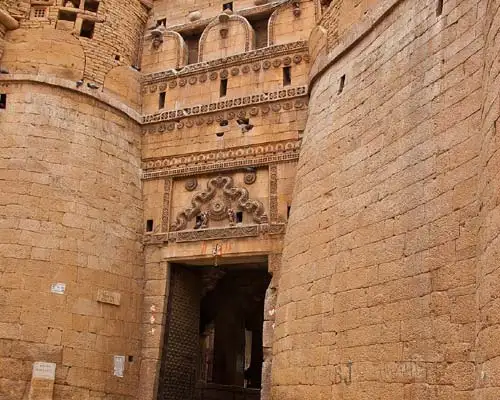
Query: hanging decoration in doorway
{"points": [[217, 252]]}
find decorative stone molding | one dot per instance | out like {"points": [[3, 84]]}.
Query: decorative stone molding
{"points": [[236, 157], [214, 233], [166, 205], [191, 184], [200, 24], [300, 48], [249, 33], [273, 192], [234, 232], [217, 207], [256, 66], [202, 109], [263, 109]]}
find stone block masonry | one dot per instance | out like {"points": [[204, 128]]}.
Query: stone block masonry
{"points": [[390, 260], [70, 208], [365, 131]]}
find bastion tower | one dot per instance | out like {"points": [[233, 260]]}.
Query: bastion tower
{"points": [[249, 199], [148, 154]]}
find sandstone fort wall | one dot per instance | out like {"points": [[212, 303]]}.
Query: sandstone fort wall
{"points": [[488, 242], [390, 246], [387, 286], [71, 213]]}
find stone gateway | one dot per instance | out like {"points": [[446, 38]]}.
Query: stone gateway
{"points": [[249, 199]]}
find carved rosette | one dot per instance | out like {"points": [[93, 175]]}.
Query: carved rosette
{"points": [[217, 209], [218, 196], [250, 177], [191, 184]]}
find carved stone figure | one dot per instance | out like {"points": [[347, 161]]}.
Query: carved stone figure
{"points": [[231, 216], [202, 222]]}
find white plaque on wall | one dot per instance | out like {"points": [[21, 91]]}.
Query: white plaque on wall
{"points": [[58, 288], [118, 365], [44, 370]]}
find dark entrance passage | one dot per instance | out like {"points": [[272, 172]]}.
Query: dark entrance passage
{"points": [[213, 335]]}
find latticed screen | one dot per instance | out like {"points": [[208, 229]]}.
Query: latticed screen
{"points": [[39, 12]]}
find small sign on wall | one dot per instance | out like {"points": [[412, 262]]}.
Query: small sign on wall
{"points": [[44, 370], [105, 296], [58, 288], [118, 366]]}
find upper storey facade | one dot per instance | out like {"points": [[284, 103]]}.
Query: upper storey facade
{"points": [[199, 53]]}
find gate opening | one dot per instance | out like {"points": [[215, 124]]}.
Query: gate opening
{"points": [[213, 334]]}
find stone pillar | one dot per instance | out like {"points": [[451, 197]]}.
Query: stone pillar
{"points": [[156, 277], [268, 327], [488, 276]]}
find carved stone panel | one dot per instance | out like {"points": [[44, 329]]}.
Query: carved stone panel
{"points": [[217, 202]]}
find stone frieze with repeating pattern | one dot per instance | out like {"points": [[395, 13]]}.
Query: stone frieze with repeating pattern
{"points": [[218, 160], [244, 231], [252, 57], [276, 95]]}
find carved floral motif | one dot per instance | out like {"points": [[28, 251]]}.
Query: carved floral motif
{"points": [[234, 60], [191, 184], [261, 98], [191, 164], [216, 233], [250, 178], [273, 192], [166, 205], [223, 184]]}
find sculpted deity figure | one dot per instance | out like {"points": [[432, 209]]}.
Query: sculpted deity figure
{"points": [[232, 217]]}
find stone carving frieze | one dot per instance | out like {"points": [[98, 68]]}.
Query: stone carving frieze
{"points": [[273, 192], [161, 84], [216, 234], [251, 111], [166, 204], [217, 160], [251, 57], [255, 99], [216, 208]]}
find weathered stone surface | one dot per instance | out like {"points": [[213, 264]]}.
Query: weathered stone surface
{"points": [[390, 212], [385, 284]]}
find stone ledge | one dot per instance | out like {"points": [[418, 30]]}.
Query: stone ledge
{"points": [[208, 108], [243, 231], [70, 85]]}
